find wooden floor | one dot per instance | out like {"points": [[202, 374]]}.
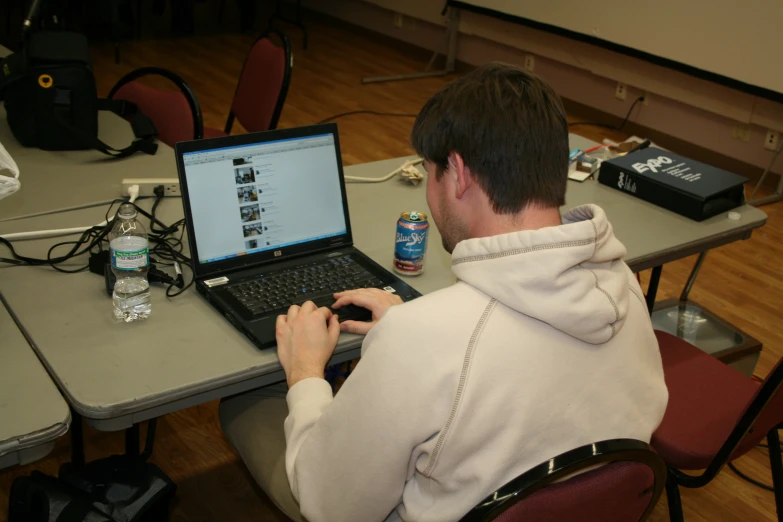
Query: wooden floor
{"points": [[742, 281]]}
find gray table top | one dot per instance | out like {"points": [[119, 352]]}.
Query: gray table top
{"points": [[187, 353], [66, 179], [32, 411]]}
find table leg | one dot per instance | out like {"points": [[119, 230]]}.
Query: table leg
{"points": [[77, 440], [149, 444], [132, 441], [692, 278], [652, 287]]}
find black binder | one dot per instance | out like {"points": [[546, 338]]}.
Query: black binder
{"points": [[676, 183]]}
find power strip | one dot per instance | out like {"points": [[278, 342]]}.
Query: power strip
{"points": [[147, 186]]}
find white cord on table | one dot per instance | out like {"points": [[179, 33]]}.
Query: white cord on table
{"points": [[407, 171], [133, 192]]}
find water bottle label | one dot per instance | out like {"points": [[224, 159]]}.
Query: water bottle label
{"points": [[130, 260]]}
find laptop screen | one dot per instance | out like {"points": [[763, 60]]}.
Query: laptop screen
{"points": [[258, 197]]}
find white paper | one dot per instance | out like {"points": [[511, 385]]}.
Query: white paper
{"points": [[8, 184]]}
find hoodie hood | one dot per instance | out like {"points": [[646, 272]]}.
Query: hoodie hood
{"points": [[570, 276]]}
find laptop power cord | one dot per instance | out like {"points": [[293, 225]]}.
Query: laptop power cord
{"points": [[407, 171]]}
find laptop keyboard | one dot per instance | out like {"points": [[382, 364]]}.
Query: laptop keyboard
{"points": [[310, 282]]}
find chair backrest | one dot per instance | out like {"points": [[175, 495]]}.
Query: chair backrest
{"points": [[625, 487], [263, 84], [175, 114]]}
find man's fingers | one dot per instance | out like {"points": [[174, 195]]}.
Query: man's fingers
{"points": [[326, 313], [354, 292], [293, 311], [358, 299], [334, 330], [357, 327], [308, 306]]}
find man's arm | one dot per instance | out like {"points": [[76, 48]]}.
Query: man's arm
{"points": [[347, 457]]}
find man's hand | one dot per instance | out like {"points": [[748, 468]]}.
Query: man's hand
{"points": [[306, 338], [375, 300]]}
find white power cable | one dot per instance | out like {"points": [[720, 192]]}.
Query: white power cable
{"points": [[133, 191], [766, 171], [407, 171]]}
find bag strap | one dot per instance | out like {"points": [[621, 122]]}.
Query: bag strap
{"points": [[143, 130]]}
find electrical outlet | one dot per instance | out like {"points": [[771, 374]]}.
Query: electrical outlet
{"points": [[530, 63], [621, 92], [398, 20], [645, 98], [147, 186], [771, 141], [741, 132]]}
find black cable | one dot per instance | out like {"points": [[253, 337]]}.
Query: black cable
{"points": [[607, 125], [376, 113], [165, 245], [749, 479]]}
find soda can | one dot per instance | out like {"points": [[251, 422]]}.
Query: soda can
{"points": [[410, 244]]}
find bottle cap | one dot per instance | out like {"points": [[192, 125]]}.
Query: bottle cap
{"points": [[127, 211]]}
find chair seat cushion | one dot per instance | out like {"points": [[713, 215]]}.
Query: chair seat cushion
{"points": [[210, 132], [706, 400]]}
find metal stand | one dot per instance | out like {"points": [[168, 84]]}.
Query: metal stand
{"points": [[452, 29], [296, 22]]}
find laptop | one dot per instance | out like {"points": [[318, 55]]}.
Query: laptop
{"points": [[268, 224]]}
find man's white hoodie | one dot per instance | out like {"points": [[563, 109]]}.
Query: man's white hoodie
{"points": [[544, 344]]}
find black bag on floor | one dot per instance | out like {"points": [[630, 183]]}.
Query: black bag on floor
{"points": [[114, 489], [51, 100]]}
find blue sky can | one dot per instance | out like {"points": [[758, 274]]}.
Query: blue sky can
{"points": [[410, 245]]}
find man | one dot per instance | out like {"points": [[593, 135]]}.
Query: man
{"points": [[544, 344]]}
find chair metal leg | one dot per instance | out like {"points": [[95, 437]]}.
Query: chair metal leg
{"points": [[776, 464], [673, 498]]}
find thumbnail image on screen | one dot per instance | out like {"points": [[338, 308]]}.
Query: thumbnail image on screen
{"points": [[250, 213], [247, 194], [242, 161], [253, 230], [244, 175]]}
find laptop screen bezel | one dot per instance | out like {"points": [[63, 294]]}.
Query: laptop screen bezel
{"points": [[207, 270]]}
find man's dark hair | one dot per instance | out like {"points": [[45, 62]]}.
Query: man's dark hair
{"points": [[510, 128]]}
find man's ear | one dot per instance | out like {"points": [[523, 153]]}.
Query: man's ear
{"points": [[460, 173]]}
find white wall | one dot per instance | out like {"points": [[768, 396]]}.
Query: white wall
{"points": [[688, 108], [740, 40]]}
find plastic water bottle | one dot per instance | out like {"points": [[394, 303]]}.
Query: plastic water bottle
{"points": [[130, 261]]}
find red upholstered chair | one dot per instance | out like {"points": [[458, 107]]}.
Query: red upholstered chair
{"points": [[715, 415], [175, 114], [625, 489], [262, 87]]}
